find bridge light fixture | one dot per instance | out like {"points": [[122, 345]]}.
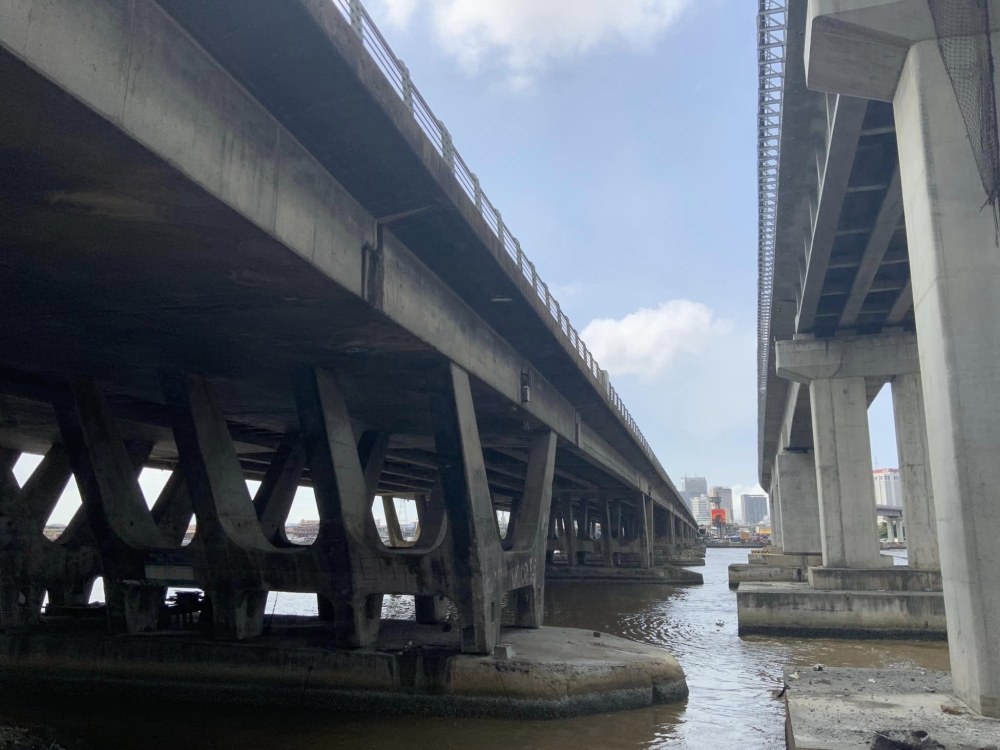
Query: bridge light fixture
{"points": [[500, 298]]}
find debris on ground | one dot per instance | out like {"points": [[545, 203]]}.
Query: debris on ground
{"points": [[905, 739]]}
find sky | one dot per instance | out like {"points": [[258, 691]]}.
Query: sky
{"points": [[618, 139]]}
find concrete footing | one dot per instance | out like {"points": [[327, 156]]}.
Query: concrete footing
{"points": [[798, 609], [781, 560], [548, 672], [842, 709], [744, 573], [896, 578], [667, 574]]}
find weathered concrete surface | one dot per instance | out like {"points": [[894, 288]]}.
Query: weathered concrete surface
{"points": [[842, 447], [743, 573], [915, 472], [786, 561], [667, 574], [841, 709], [687, 560], [875, 356], [280, 228], [555, 672], [896, 578], [798, 609], [799, 501]]}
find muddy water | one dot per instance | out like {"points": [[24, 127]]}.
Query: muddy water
{"points": [[731, 680]]}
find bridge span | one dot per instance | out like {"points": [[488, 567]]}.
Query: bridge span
{"points": [[238, 244]]}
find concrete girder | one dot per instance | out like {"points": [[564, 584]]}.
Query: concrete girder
{"points": [[835, 170], [886, 223]]}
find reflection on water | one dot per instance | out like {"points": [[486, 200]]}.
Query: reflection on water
{"points": [[731, 680]]}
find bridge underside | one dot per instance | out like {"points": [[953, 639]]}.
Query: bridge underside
{"points": [[148, 323]]}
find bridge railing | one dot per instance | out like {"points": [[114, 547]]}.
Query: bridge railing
{"points": [[399, 77], [772, 23]]}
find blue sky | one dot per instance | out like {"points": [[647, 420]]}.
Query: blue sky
{"points": [[618, 139]]}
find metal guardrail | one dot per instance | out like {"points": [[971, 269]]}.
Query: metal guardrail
{"points": [[772, 24], [399, 77]]}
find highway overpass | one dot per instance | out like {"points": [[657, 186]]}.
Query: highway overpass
{"points": [[238, 244]]}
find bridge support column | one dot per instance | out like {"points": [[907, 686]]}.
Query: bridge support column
{"points": [[229, 531], [276, 493], [607, 552], [774, 498], [644, 509], [23, 513], [483, 570], [568, 530], [429, 608], [799, 502], [955, 276], [343, 489], [672, 530], [392, 522], [849, 535], [914, 469], [116, 511]]}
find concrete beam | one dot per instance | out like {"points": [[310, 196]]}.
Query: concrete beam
{"points": [[842, 143], [886, 224], [882, 356]]}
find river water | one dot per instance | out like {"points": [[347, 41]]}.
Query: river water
{"points": [[730, 706]]}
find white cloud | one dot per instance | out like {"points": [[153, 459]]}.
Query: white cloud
{"points": [[399, 12], [524, 36], [645, 342]]}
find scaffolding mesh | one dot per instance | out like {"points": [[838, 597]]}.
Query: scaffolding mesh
{"points": [[962, 28]]}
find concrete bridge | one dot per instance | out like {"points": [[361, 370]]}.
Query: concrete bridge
{"points": [[878, 267], [238, 244]]}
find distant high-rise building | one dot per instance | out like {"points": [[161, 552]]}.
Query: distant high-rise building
{"points": [[725, 497], [888, 487], [695, 485], [753, 508], [701, 508]]}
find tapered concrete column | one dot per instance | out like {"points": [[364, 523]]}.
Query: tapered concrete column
{"points": [[914, 470], [569, 533], [799, 502], [606, 538], [848, 531], [955, 276], [774, 498], [392, 522], [644, 509]]}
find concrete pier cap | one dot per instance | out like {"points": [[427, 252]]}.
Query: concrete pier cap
{"points": [[882, 355], [858, 47]]}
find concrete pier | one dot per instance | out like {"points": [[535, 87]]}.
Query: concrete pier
{"points": [[955, 274]]}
